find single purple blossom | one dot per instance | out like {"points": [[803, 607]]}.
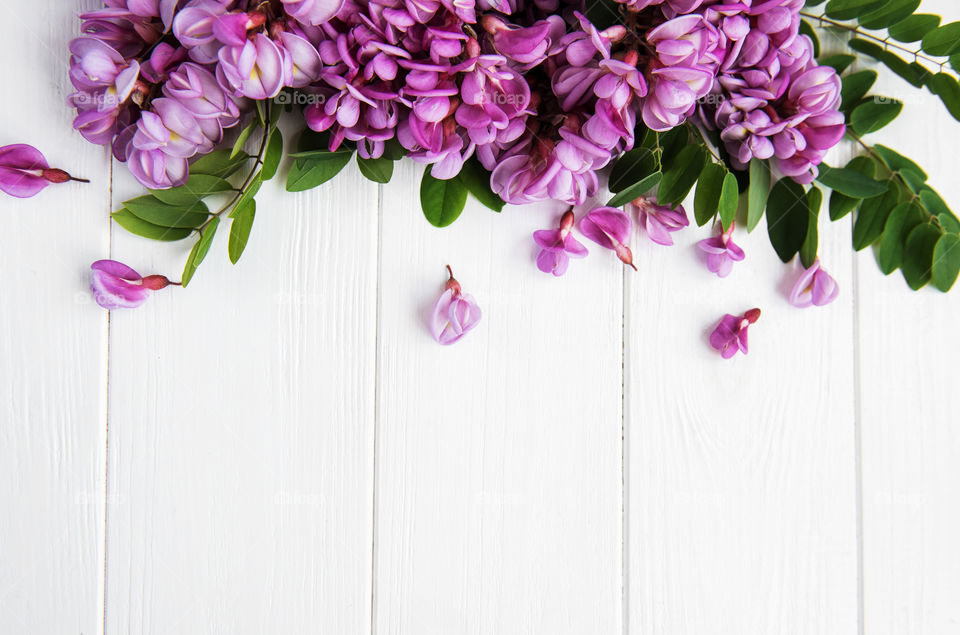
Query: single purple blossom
{"points": [[24, 171], [721, 252], [659, 221], [558, 246], [815, 287], [610, 227], [730, 336], [455, 314], [116, 286]]}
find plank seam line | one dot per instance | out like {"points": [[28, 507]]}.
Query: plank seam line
{"points": [[624, 467], [376, 417], [106, 418], [858, 443]]}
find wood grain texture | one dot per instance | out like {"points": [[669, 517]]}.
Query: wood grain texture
{"points": [[910, 434], [53, 341], [498, 459], [740, 473], [241, 427]]}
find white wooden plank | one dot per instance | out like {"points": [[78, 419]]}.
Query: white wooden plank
{"points": [[498, 459], [740, 473], [910, 434], [241, 427], [53, 338]]}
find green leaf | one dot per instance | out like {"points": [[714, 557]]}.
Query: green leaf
{"points": [[894, 11], [850, 182], [917, 267], [850, 9], [272, 156], [874, 115], [839, 62], [899, 163], [680, 176], [947, 89], [308, 173], [240, 229], [126, 219], [199, 251], [933, 202], [377, 170], [841, 204], [913, 29], [249, 192], [788, 218], [900, 223], [729, 200], [758, 192], [636, 190], [197, 187], [808, 251], [476, 179], [854, 87], [671, 143], [872, 216], [706, 201], [442, 201], [946, 262], [910, 71], [633, 167], [152, 210], [942, 41], [219, 163], [244, 137]]}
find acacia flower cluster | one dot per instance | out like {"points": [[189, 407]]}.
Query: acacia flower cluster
{"points": [[529, 100]]}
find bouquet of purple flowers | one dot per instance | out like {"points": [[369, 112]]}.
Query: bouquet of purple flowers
{"points": [[520, 101]]}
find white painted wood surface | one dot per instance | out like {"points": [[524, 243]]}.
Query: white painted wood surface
{"points": [[282, 448]]}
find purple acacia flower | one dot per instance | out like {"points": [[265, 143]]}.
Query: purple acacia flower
{"points": [[24, 171], [558, 246], [659, 221], [721, 252], [815, 287], [730, 336], [610, 228], [116, 286], [455, 314]]}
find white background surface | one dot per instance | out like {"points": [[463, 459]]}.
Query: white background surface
{"points": [[282, 448]]}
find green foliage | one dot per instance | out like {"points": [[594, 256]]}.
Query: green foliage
{"points": [[376, 170], [200, 249], [757, 192], [808, 251], [442, 201], [240, 229], [680, 174], [312, 170], [476, 179], [788, 218]]}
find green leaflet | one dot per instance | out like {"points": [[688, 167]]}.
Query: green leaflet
{"points": [[680, 175], [199, 251], [126, 219], [476, 179], [308, 172], [917, 267], [808, 251], [243, 218], [758, 192], [788, 218], [376, 170], [946, 262], [442, 201]]}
